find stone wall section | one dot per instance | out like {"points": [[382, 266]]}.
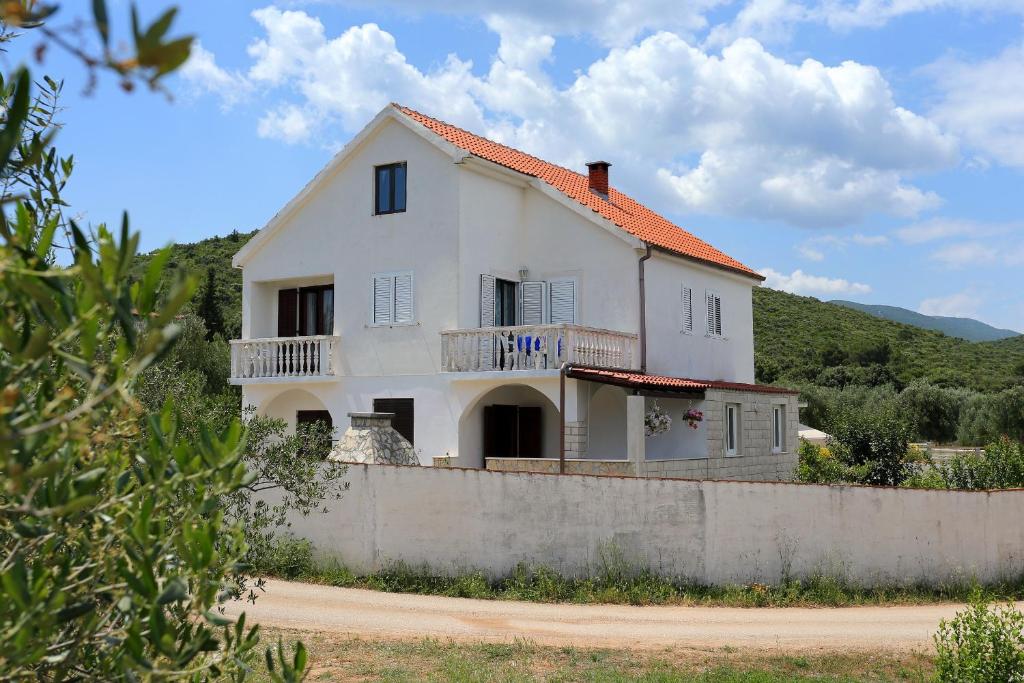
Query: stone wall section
{"points": [[576, 439], [757, 462]]}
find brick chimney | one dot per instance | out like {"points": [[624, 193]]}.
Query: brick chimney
{"points": [[598, 171]]}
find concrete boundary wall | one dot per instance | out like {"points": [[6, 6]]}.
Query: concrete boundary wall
{"points": [[711, 532]]}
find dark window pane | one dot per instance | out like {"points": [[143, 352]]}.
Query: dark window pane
{"points": [[399, 185], [309, 312], [328, 308], [383, 189]]}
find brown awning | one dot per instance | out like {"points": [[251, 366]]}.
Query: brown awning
{"points": [[642, 381]]}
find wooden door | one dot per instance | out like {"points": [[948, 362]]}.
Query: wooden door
{"points": [[287, 312], [530, 436]]}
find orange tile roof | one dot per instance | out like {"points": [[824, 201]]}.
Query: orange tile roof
{"points": [[622, 210], [639, 380]]}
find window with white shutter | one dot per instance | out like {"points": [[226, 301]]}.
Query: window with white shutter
{"points": [[392, 299], [532, 303], [562, 301], [487, 300], [686, 305], [714, 306]]}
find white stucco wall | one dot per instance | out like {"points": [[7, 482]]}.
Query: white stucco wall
{"points": [[710, 532], [334, 236], [505, 227], [673, 352]]}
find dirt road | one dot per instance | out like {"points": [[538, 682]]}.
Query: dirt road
{"points": [[371, 614]]}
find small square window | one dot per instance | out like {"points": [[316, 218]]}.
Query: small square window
{"points": [[389, 188]]}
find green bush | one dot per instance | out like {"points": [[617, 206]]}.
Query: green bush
{"points": [[287, 558], [874, 446], [981, 645], [986, 417], [817, 465], [999, 466], [932, 412]]}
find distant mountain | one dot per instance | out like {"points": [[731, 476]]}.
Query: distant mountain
{"points": [[964, 328]]}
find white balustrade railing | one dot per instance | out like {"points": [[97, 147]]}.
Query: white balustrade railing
{"points": [[275, 357], [536, 347]]}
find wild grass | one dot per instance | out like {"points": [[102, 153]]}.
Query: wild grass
{"points": [[337, 658], [616, 582]]}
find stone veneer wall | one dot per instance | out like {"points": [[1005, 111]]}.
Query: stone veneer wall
{"points": [[757, 461], [576, 439], [613, 468]]}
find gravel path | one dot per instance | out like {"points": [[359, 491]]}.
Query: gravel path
{"points": [[346, 611]]}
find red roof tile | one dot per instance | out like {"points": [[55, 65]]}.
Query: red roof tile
{"points": [[640, 380], [625, 212]]}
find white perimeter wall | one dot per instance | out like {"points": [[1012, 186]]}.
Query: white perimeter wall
{"points": [[709, 532]]}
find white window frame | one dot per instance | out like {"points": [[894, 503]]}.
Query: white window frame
{"points": [[686, 311], [779, 428], [391, 319], [720, 334], [736, 426]]}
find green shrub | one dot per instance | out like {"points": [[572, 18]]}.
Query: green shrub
{"points": [[932, 412], [287, 558], [981, 645], [999, 466], [986, 417], [873, 446], [817, 465]]}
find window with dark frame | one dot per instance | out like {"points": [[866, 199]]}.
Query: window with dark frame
{"points": [[305, 311], [389, 188]]}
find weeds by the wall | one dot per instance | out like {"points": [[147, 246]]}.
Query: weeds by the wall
{"points": [[615, 582]]}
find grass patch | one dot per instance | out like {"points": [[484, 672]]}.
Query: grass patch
{"points": [[339, 658], [616, 583]]}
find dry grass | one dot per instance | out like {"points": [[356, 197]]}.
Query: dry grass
{"points": [[340, 658]]}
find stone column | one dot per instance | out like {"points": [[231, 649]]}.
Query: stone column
{"points": [[636, 437]]}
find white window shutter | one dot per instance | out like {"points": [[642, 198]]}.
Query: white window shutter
{"points": [[532, 300], [709, 299], [487, 313], [403, 312], [383, 296], [687, 306], [718, 315], [563, 302]]}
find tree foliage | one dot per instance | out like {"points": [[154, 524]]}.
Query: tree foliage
{"points": [[117, 548]]}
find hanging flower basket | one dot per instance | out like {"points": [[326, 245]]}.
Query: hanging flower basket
{"points": [[694, 417], [657, 421]]}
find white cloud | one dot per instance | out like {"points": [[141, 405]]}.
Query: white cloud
{"points": [[869, 240], [938, 228], [814, 248], [287, 123], [959, 305], [982, 102], [966, 254], [743, 133], [204, 76], [799, 282], [810, 253]]}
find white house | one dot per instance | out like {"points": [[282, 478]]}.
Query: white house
{"points": [[511, 313]]}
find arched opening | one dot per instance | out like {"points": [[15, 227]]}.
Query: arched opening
{"points": [[513, 420], [607, 424], [295, 406]]}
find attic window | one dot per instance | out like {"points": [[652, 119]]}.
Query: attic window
{"points": [[389, 188]]}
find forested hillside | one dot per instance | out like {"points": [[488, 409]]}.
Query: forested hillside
{"points": [[802, 339], [965, 328]]}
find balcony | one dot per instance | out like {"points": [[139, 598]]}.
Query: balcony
{"points": [[283, 359], [536, 347]]}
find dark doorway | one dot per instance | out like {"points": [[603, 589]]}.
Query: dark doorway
{"points": [[404, 420], [513, 432]]}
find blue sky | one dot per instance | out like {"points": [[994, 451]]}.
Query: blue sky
{"points": [[871, 150]]}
